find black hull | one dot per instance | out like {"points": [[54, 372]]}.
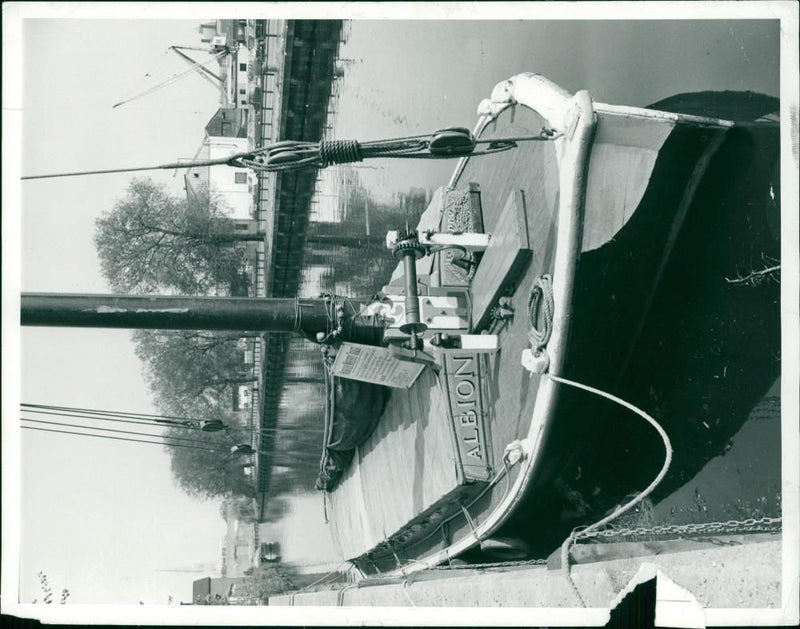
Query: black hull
{"points": [[701, 359]]}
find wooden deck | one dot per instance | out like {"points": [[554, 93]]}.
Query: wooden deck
{"points": [[408, 464], [405, 466]]}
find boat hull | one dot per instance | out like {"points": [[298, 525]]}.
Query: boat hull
{"points": [[625, 211], [675, 334]]}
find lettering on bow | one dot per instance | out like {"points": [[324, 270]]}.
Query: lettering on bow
{"points": [[467, 413]]}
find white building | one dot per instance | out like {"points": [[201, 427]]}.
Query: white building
{"points": [[232, 34], [234, 184], [237, 84], [226, 135]]}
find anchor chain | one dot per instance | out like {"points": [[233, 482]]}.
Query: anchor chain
{"points": [[765, 524], [702, 529]]}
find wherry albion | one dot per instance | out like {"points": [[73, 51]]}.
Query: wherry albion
{"points": [[579, 257]]}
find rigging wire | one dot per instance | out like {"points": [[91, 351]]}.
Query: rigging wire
{"points": [[157, 443], [116, 430], [101, 414], [146, 418], [221, 447], [308, 442], [173, 79], [292, 155], [111, 413], [163, 436], [81, 434], [160, 72], [109, 419]]}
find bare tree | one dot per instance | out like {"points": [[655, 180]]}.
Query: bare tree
{"points": [[152, 241]]}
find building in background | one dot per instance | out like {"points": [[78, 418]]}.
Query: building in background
{"points": [[242, 398], [225, 135], [239, 546], [235, 66]]}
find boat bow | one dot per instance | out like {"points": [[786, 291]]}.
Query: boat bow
{"points": [[573, 119]]}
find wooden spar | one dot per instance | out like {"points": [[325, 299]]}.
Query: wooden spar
{"points": [[183, 313]]}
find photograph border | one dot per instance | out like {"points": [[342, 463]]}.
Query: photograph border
{"points": [[15, 12]]}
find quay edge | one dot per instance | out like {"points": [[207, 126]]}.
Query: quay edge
{"points": [[740, 575]]}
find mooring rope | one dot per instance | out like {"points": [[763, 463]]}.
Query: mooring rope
{"points": [[576, 534], [408, 596]]}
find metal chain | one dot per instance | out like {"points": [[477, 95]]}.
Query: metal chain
{"points": [[765, 524], [497, 564], [730, 526]]}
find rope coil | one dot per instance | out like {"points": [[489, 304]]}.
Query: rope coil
{"points": [[541, 306]]}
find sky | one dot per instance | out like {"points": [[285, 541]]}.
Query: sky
{"points": [[114, 517], [104, 519]]}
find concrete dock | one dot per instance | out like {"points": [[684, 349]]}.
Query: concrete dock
{"points": [[719, 573]]}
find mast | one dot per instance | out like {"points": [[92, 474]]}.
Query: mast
{"points": [[305, 316]]}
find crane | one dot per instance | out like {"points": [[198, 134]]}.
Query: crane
{"points": [[218, 52]]}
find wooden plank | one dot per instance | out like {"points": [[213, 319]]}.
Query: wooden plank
{"points": [[506, 257], [622, 144], [403, 469]]}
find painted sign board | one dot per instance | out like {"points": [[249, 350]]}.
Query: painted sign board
{"points": [[375, 364], [464, 381]]}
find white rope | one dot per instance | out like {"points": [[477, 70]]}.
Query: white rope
{"points": [[321, 579], [575, 535], [408, 596]]}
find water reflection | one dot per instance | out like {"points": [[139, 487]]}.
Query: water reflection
{"points": [[345, 255]]}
